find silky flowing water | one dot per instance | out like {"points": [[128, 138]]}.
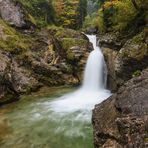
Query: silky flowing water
{"points": [[30, 123], [57, 117]]}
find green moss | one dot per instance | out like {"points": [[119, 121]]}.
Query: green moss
{"points": [[146, 140], [136, 73], [53, 27], [32, 19], [67, 43], [70, 55], [12, 40], [69, 69], [139, 38], [70, 42]]}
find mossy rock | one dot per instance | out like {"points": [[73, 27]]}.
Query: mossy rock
{"points": [[67, 43], [136, 73], [135, 49], [10, 40], [139, 38]]}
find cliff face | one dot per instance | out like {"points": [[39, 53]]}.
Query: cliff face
{"points": [[125, 58], [121, 120]]}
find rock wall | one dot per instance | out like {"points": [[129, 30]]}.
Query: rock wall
{"points": [[124, 57], [12, 13], [14, 80], [122, 120]]}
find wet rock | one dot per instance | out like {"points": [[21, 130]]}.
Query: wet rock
{"points": [[110, 56], [22, 80], [121, 120]]}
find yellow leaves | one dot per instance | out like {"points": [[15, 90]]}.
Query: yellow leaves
{"points": [[32, 19], [59, 6], [107, 5], [66, 11], [119, 13], [67, 22]]}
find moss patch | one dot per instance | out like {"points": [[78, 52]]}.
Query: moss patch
{"points": [[10, 40], [70, 42], [139, 38]]}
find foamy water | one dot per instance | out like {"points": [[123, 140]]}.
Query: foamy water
{"points": [[92, 90]]}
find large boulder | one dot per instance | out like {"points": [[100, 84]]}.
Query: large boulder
{"points": [[111, 40], [12, 13], [122, 120]]}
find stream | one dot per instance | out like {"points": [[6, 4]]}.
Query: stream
{"points": [[57, 117], [30, 123]]}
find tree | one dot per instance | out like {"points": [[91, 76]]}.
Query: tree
{"points": [[82, 12], [41, 10]]}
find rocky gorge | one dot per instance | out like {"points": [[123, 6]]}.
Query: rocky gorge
{"points": [[121, 120], [33, 56]]}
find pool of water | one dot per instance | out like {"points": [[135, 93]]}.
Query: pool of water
{"points": [[31, 123]]}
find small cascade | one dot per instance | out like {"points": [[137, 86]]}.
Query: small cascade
{"points": [[95, 71]]}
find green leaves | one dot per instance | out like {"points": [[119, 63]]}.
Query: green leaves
{"points": [[41, 10]]}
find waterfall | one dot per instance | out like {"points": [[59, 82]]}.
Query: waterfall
{"points": [[92, 90], [95, 71]]}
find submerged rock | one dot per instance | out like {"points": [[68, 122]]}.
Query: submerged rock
{"points": [[122, 120]]}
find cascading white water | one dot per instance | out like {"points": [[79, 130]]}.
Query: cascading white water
{"points": [[95, 70], [92, 90]]}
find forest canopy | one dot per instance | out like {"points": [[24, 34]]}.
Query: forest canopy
{"points": [[65, 13], [118, 15]]}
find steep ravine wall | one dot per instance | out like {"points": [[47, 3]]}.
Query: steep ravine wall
{"points": [[125, 58], [121, 121]]}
